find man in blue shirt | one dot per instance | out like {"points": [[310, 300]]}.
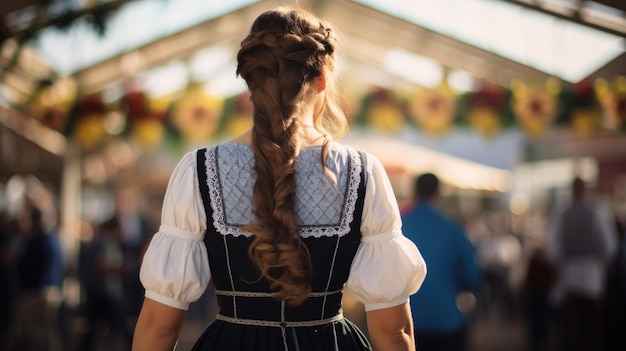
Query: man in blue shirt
{"points": [[452, 268]]}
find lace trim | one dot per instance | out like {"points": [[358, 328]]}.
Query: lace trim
{"points": [[270, 294], [317, 231], [287, 324]]}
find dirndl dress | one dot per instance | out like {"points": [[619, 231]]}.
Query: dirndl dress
{"points": [[329, 216]]}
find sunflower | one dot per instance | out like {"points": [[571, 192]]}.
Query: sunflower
{"points": [[433, 111], [534, 109], [143, 120], [612, 97], [88, 127], [197, 115], [384, 112], [484, 110]]}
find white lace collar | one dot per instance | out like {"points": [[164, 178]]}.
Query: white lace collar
{"points": [[341, 228]]}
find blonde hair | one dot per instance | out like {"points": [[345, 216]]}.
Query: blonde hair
{"points": [[286, 51]]}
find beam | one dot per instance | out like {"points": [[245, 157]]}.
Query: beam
{"points": [[69, 17], [617, 67], [226, 29], [617, 4], [384, 31], [11, 6], [21, 70], [31, 129], [363, 43], [573, 16]]}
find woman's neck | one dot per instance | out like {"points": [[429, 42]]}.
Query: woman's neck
{"points": [[309, 136]]}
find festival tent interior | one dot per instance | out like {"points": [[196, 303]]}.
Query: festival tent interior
{"points": [[497, 96]]}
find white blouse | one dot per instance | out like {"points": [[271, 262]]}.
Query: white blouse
{"points": [[386, 269]]}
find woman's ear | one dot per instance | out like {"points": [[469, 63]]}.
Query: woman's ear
{"points": [[321, 82]]}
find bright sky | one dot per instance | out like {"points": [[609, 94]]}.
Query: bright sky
{"points": [[137, 23], [552, 45], [557, 47]]}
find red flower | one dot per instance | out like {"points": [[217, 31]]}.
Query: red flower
{"points": [[136, 105], [489, 96], [91, 104]]}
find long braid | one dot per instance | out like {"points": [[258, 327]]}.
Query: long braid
{"points": [[285, 51]]}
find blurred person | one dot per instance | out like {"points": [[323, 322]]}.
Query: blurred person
{"points": [[40, 271], [135, 231], [101, 273], [7, 277], [452, 269], [498, 253], [581, 242], [282, 218], [615, 297], [539, 280]]}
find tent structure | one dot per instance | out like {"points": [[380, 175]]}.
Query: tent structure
{"points": [[98, 45], [413, 159], [369, 28]]}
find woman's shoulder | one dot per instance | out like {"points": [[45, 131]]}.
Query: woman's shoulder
{"points": [[341, 148], [228, 147]]}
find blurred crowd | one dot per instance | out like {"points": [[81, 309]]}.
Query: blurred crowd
{"points": [[563, 298], [49, 302], [561, 275]]}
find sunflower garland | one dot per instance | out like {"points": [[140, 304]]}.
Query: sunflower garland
{"points": [[383, 112], [534, 108], [143, 121], [485, 109], [197, 115], [433, 111], [612, 97], [87, 123]]}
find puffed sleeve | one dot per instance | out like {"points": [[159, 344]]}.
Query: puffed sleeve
{"points": [[388, 267], [175, 267]]}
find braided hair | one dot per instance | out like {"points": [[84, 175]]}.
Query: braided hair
{"points": [[286, 51]]}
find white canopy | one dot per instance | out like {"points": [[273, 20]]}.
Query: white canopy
{"points": [[414, 159]]}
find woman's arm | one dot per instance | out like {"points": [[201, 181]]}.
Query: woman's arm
{"points": [[158, 327], [391, 329]]}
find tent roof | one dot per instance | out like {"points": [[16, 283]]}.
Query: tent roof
{"points": [[387, 43], [495, 41]]}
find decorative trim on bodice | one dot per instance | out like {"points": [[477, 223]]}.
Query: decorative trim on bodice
{"points": [[282, 324], [271, 294], [345, 218]]}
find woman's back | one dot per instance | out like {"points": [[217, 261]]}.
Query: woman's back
{"points": [[325, 213]]}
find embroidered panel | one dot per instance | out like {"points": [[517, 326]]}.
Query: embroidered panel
{"points": [[322, 209]]}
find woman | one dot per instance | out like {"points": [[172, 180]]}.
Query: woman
{"points": [[282, 217]]}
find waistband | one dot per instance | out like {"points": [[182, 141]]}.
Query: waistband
{"points": [[239, 310], [268, 294], [263, 323]]}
